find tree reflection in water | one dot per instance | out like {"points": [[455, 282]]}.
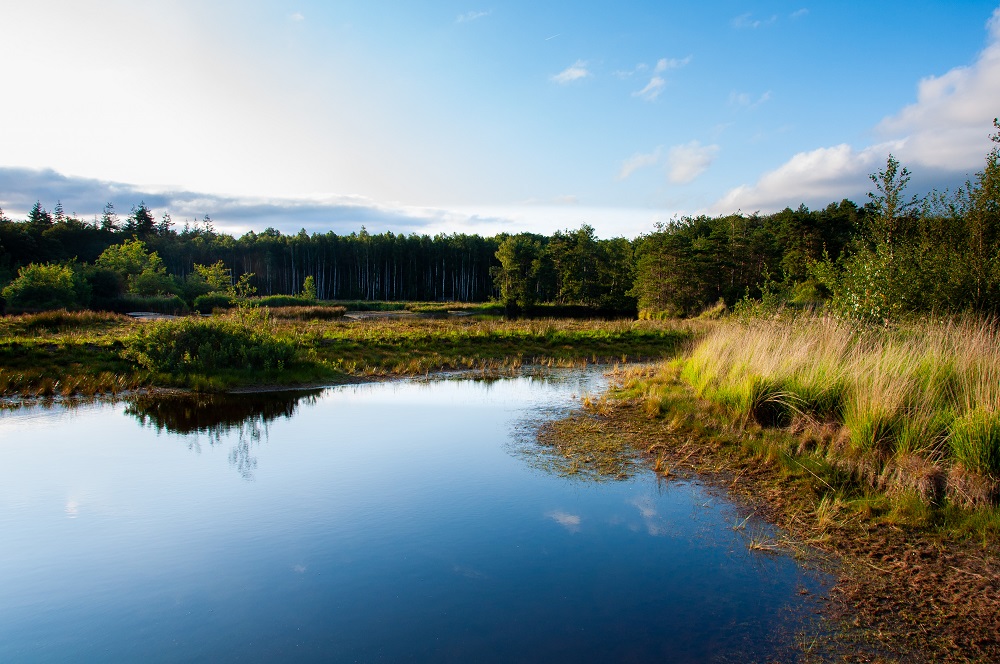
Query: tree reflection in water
{"points": [[220, 415]]}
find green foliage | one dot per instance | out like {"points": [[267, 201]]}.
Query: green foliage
{"points": [[216, 276], [43, 286], [207, 346], [942, 255], [161, 304], [691, 263], [209, 302], [520, 263], [142, 271], [308, 289], [141, 222], [282, 301], [243, 290]]}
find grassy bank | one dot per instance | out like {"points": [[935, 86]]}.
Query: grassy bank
{"points": [[915, 409], [59, 353]]}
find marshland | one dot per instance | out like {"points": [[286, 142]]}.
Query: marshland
{"points": [[825, 385]]}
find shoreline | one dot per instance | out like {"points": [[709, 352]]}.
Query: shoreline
{"points": [[902, 593]]}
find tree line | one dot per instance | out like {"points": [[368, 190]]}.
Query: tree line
{"points": [[892, 256]]}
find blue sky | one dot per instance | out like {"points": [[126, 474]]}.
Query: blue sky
{"points": [[484, 117]]}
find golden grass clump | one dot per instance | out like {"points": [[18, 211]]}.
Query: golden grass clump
{"points": [[918, 405]]}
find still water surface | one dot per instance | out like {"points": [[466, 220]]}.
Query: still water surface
{"points": [[402, 521]]}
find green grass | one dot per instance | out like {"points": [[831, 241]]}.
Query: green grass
{"points": [[900, 406], [88, 353]]}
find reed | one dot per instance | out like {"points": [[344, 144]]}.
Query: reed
{"points": [[928, 391]]}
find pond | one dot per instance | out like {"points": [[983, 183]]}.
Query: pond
{"points": [[397, 521]]}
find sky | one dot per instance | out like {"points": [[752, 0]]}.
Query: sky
{"points": [[485, 117]]}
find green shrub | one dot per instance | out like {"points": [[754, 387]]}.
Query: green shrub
{"points": [[282, 301], [206, 346], [161, 304], [141, 270], [308, 289], [45, 286], [206, 304]]}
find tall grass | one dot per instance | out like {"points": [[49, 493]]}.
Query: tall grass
{"points": [[921, 396]]}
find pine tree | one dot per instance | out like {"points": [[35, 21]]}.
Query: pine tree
{"points": [[109, 220]]}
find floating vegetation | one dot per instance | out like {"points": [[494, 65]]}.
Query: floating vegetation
{"points": [[581, 445]]}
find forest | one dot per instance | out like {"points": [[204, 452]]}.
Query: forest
{"points": [[895, 254]]}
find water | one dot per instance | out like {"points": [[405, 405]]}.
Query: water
{"points": [[389, 522]]}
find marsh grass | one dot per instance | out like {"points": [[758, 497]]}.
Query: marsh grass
{"points": [[580, 446], [82, 351], [307, 313], [907, 405]]}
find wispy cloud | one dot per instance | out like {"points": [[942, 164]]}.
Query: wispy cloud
{"points": [[638, 161], [656, 82], [799, 13], [746, 100], [297, 16], [472, 16], [570, 522], [574, 72], [650, 517], [663, 64], [652, 89], [748, 22], [686, 162]]}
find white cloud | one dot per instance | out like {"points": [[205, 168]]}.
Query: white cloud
{"points": [[568, 199], [748, 22], [824, 174], [570, 522], [637, 161], [948, 124], [945, 131], [799, 13], [686, 162], [574, 72], [746, 100], [297, 16], [656, 82], [663, 64], [652, 89], [472, 16]]}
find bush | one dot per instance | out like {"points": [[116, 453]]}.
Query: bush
{"points": [[282, 301], [198, 346], [45, 286], [209, 302], [161, 304]]}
